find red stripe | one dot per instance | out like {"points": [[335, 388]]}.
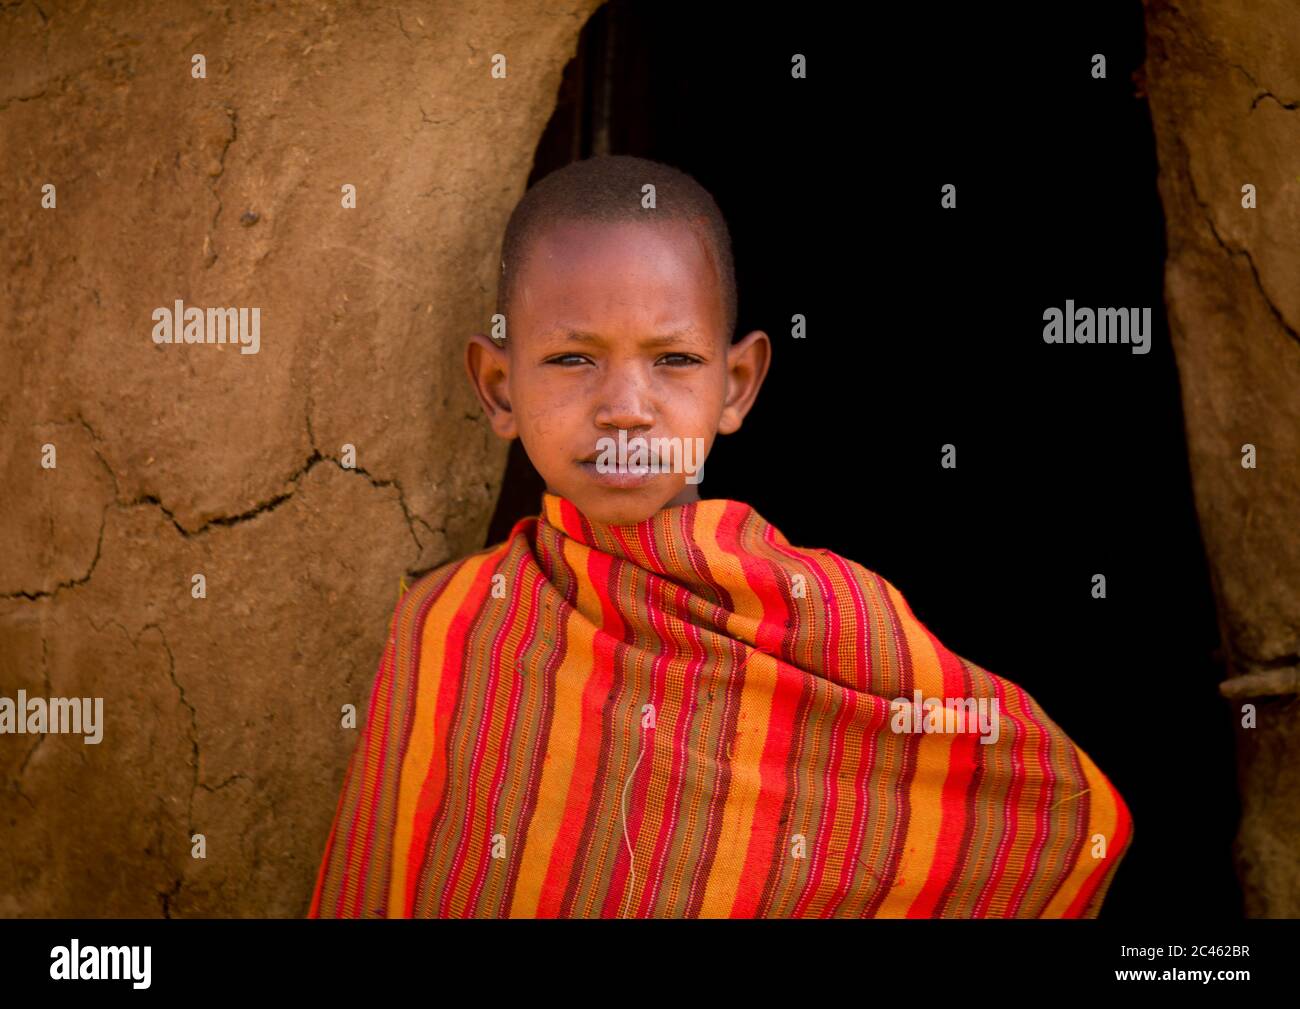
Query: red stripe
{"points": [[1123, 825], [867, 760], [961, 767], [564, 853], [376, 719], [677, 775], [1041, 820], [835, 746], [503, 752], [1011, 809], [469, 832], [830, 805], [900, 823], [615, 895], [427, 799], [764, 837], [761, 580], [432, 789]]}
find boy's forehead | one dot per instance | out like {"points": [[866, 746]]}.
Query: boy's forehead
{"points": [[577, 270], [649, 246]]}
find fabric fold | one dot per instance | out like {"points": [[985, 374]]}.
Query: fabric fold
{"points": [[690, 717]]}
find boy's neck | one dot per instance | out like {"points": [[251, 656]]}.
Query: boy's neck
{"points": [[689, 492]]}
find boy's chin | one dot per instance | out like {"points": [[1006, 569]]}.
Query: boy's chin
{"points": [[622, 507]]}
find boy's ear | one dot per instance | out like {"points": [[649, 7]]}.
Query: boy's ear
{"points": [[487, 366], [747, 363]]}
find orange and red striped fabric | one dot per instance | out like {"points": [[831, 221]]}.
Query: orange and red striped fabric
{"points": [[689, 717]]}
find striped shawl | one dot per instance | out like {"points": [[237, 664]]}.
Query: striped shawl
{"points": [[689, 717]]}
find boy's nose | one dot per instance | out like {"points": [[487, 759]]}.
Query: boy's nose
{"points": [[630, 416], [624, 404]]}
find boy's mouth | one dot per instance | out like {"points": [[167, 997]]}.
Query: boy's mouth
{"points": [[623, 479]]}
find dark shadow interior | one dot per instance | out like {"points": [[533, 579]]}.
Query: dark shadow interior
{"points": [[925, 328]]}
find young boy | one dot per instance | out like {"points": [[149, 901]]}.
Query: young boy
{"points": [[645, 704]]}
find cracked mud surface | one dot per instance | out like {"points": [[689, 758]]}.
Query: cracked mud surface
{"points": [[222, 714]]}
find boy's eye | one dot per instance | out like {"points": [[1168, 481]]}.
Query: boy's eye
{"points": [[674, 360]]}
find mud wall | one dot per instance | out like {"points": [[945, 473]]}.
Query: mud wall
{"points": [[222, 713], [301, 481], [1224, 85]]}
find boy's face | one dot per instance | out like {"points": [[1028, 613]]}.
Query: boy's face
{"points": [[617, 326]]}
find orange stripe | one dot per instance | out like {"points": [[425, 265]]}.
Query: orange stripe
{"points": [[724, 568], [737, 822], [588, 730], [561, 755], [759, 687], [1102, 820], [933, 754], [420, 782]]}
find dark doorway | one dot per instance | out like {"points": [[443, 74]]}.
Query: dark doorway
{"points": [[925, 329]]}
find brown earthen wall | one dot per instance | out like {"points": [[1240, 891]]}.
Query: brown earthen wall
{"points": [[1224, 85], [222, 714]]}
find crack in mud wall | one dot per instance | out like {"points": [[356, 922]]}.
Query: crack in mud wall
{"points": [[222, 713]]}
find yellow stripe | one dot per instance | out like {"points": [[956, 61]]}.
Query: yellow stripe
{"points": [[742, 795], [747, 609], [562, 746], [1102, 819], [1019, 709], [933, 756], [419, 751]]}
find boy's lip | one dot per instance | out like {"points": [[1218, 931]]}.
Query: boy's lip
{"points": [[593, 456], [616, 479]]}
